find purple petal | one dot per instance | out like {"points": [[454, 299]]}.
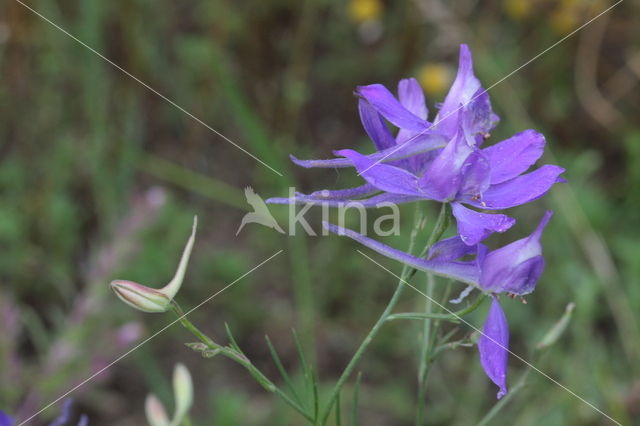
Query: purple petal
{"points": [[383, 176], [493, 346], [450, 249], [376, 201], [5, 420], [345, 194], [465, 272], [520, 190], [474, 227], [386, 104], [443, 178], [374, 126], [464, 87], [66, 414], [478, 118], [516, 267], [515, 155], [411, 97], [519, 279], [421, 144], [475, 175]]}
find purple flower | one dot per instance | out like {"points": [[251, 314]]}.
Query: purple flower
{"points": [[512, 269], [493, 344], [488, 179], [461, 172], [62, 420], [5, 420], [65, 417]]}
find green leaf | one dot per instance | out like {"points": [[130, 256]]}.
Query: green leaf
{"points": [[557, 329], [356, 397], [281, 369]]}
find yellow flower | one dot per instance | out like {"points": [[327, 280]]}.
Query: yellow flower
{"points": [[364, 10], [518, 9], [434, 78], [564, 19]]}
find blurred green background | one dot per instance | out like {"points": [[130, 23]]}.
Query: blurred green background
{"points": [[100, 179]]}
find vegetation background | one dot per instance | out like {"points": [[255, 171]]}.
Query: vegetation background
{"points": [[100, 179]]}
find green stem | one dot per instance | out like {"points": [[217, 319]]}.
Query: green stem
{"points": [[453, 317], [425, 350], [442, 223], [429, 330], [241, 359], [376, 327]]}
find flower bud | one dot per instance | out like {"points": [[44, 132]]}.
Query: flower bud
{"points": [[148, 299], [141, 297], [155, 412], [182, 392]]}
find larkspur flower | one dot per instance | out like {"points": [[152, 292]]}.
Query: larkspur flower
{"points": [[513, 269], [5, 420], [63, 419], [416, 165]]}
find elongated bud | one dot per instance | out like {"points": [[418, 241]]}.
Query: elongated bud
{"points": [[155, 412], [149, 299], [140, 297], [557, 329], [182, 392]]}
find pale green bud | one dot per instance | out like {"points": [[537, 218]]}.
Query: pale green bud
{"points": [[148, 299], [182, 392], [141, 297], [155, 412]]}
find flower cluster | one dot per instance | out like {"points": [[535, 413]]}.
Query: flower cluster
{"points": [[64, 419], [444, 160]]}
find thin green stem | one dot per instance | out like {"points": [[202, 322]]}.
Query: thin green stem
{"points": [[376, 327], [441, 225], [429, 330], [452, 317], [241, 359]]}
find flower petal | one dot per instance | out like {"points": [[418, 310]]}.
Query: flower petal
{"points": [[516, 267], [450, 249], [515, 155], [372, 202], [460, 271], [478, 118], [421, 144], [344, 194], [474, 227], [464, 87], [382, 176], [5, 420], [386, 104], [519, 190], [375, 127], [475, 174], [443, 177], [411, 97], [493, 346]]}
